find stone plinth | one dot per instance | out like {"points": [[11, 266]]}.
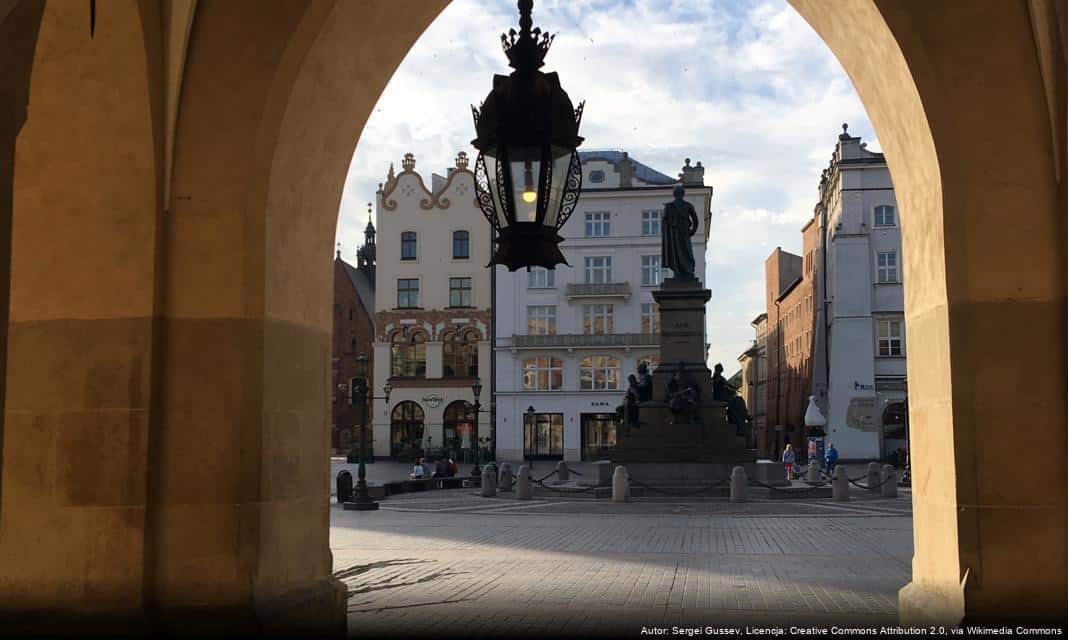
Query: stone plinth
{"points": [[698, 448]]}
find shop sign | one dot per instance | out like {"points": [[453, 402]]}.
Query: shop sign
{"points": [[861, 414]]}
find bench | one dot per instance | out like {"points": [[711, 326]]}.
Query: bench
{"points": [[409, 486]]}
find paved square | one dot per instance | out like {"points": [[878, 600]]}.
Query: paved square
{"points": [[450, 563]]}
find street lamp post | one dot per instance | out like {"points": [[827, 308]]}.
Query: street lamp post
{"points": [[528, 175], [533, 433], [476, 391], [361, 394]]}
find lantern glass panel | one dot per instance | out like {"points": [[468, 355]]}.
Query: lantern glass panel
{"points": [[561, 164], [526, 171], [495, 190]]}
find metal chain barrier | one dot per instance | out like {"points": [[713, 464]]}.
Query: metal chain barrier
{"points": [[539, 480]]}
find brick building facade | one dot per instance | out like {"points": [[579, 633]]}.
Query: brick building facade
{"points": [[790, 282], [354, 289]]}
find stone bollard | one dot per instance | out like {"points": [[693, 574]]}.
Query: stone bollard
{"points": [[524, 486], [620, 485], [561, 471], [739, 485], [840, 484], [813, 472], [506, 479], [889, 481], [874, 477], [489, 481]]}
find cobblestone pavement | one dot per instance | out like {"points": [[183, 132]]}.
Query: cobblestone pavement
{"points": [[451, 563]]}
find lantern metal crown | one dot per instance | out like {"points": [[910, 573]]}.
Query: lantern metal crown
{"points": [[528, 174]]}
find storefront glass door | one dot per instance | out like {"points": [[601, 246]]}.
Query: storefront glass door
{"points": [[543, 436], [598, 435]]}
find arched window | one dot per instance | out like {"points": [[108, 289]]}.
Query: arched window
{"points": [[599, 372], [406, 429], [460, 354], [543, 373], [408, 248], [408, 355], [459, 427], [461, 245]]}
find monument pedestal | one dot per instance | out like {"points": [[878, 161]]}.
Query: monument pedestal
{"points": [[698, 446]]}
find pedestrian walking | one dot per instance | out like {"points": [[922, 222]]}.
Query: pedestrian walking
{"points": [[788, 460], [830, 459]]}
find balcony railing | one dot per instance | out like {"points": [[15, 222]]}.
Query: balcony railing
{"points": [[600, 290], [578, 340]]}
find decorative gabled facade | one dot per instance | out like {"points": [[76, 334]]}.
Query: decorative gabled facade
{"points": [[567, 339], [835, 315], [432, 317], [859, 376]]}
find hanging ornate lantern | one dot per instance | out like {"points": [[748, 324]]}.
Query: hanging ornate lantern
{"points": [[528, 175]]}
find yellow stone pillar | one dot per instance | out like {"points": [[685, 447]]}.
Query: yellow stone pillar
{"points": [[956, 94], [79, 337]]}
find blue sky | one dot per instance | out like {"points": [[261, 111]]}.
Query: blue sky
{"points": [[744, 86]]}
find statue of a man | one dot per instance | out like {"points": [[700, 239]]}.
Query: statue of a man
{"points": [[630, 403], [679, 224], [737, 413], [645, 382]]}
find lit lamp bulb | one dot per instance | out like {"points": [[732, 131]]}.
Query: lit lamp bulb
{"points": [[529, 195]]}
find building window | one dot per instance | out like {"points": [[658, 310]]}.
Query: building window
{"points": [[461, 245], [407, 293], [407, 355], [890, 342], [541, 278], [597, 176], [650, 317], [884, 216], [887, 263], [408, 245], [460, 354], [459, 292], [597, 224], [650, 270], [543, 373], [650, 222], [406, 429], [598, 269], [596, 319], [541, 320], [599, 373]]}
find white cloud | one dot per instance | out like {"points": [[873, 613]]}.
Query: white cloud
{"points": [[746, 87]]}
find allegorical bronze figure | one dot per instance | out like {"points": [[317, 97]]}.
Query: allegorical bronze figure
{"points": [[678, 225]]}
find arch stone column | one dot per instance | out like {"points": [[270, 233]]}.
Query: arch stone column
{"points": [[956, 94]]}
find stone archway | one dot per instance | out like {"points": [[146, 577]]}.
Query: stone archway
{"points": [[185, 299]]}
